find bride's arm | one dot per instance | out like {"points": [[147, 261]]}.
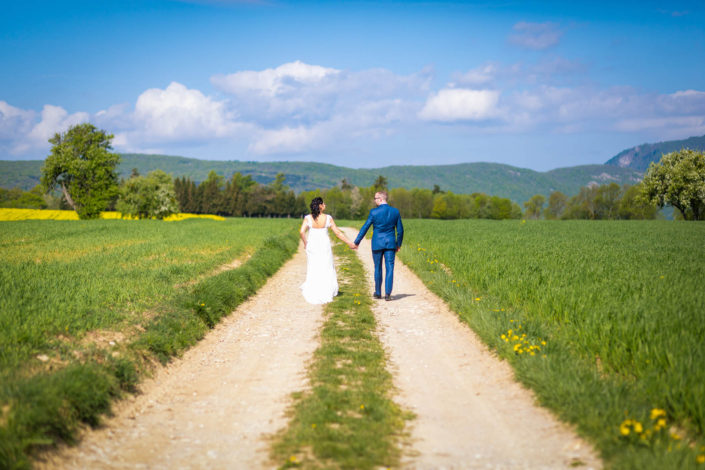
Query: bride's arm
{"points": [[340, 234], [302, 232]]}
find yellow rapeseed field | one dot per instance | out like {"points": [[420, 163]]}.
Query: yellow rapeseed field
{"points": [[45, 214]]}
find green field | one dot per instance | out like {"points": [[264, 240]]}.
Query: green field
{"points": [[86, 306], [620, 307]]}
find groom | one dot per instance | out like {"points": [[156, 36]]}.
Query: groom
{"points": [[385, 243]]}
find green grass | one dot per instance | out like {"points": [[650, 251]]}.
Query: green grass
{"points": [[620, 305], [87, 306], [347, 419]]}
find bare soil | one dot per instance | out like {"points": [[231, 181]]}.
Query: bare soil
{"points": [[218, 405]]}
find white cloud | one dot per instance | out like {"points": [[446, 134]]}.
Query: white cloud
{"points": [[178, 113], [478, 76], [55, 119], [14, 121], [312, 110], [285, 140], [674, 127], [458, 104], [536, 36], [273, 82]]}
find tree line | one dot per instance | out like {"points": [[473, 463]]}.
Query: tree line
{"points": [[83, 170], [242, 196], [595, 202]]}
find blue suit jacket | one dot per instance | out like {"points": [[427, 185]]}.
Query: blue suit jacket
{"points": [[385, 219]]}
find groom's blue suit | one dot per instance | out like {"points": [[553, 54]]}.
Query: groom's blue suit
{"points": [[386, 220]]}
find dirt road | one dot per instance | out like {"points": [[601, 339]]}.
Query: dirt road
{"points": [[470, 413], [215, 407]]}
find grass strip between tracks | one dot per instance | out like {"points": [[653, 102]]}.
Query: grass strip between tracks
{"points": [[43, 409], [347, 419]]}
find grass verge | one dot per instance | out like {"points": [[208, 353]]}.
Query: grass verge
{"points": [[41, 409], [602, 319], [347, 419]]}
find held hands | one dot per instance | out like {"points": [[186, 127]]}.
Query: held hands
{"points": [[352, 246]]}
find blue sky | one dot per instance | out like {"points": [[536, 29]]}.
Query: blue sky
{"points": [[538, 85]]}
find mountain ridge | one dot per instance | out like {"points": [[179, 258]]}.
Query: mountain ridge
{"points": [[640, 156], [497, 179]]}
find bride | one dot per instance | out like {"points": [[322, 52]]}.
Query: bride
{"points": [[321, 283]]}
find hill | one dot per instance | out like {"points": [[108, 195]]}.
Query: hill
{"points": [[518, 184], [639, 157]]}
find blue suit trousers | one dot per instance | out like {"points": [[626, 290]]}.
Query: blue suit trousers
{"points": [[388, 256]]}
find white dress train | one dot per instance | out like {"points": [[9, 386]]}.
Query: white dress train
{"points": [[321, 283]]}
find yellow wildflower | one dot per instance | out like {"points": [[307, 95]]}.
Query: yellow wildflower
{"points": [[624, 428], [700, 458], [657, 412]]}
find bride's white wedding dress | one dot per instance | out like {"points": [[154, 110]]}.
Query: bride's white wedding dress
{"points": [[321, 283]]}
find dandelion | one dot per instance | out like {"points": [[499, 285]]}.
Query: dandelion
{"points": [[700, 458], [313, 426], [293, 459], [624, 427], [362, 407], [657, 412], [477, 299], [675, 437]]}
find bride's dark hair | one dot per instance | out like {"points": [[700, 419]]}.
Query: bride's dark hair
{"points": [[315, 207]]}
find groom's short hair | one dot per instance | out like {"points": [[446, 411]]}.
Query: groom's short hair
{"points": [[382, 194]]}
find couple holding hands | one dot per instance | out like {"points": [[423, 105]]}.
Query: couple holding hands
{"points": [[321, 283]]}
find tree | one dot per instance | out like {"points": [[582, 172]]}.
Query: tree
{"points": [[211, 195], [607, 201], [16, 198], [237, 191], [534, 206], [148, 196], [82, 166], [633, 205], [421, 203], [284, 202], [557, 204], [679, 180], [380, 184], [582, 205]]}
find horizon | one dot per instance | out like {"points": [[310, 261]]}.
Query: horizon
{"points": [[533, 85]]}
